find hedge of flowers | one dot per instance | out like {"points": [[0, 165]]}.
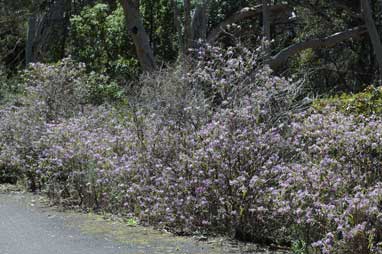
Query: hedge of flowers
{"points": [[253, 169]]}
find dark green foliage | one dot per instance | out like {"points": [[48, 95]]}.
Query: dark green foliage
{"points": [[10, 88], [8, 176], [348, 66], [67, 83], [99, 38], [102, 89], [11, 42], [159, 22]]}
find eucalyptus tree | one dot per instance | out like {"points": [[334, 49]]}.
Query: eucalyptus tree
{"points": [[47, 31], [373, 32], [138, 33]]}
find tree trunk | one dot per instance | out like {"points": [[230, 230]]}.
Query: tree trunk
{"points": [[32, 22], [266, 20], [266, 27], [178, 26], [200, 22], [138, 33], [46, 42], [373, 33], [187, 25]]}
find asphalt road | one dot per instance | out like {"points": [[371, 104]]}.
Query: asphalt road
{"points": [[26, 228]]}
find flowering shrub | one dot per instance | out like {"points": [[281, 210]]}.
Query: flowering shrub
{"points": [[59, 88], [336, 187], [234, 78], [66, 86], [169, 95], [19, 130], [220, 72], [311, 182], [250, 166], [49, 94]]}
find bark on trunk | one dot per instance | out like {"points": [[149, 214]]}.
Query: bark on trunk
{"points": [[266, 20], [373, 33], [266, 27], [32, 22], [46, 42], [187, 25], [178, 26], [200, 22], [281, 58], [138, 33]]}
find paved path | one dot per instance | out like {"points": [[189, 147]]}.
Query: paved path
{"points": [[24, 230], [27, 227]]}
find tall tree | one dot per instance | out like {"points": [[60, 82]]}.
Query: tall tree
{"points": [[47, 30], [200, 21], [32, 22], [188, 36], [138, 33], [266, 26], [373, 33], [177, 24]]}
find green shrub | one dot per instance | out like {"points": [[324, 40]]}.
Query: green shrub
{"points": [[102, 88], [9, 88], [66, 86], [367, 102], [100, 39]]}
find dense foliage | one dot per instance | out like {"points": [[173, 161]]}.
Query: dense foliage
{"points": [[368, 102], [99, 37], [94, 32]]}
